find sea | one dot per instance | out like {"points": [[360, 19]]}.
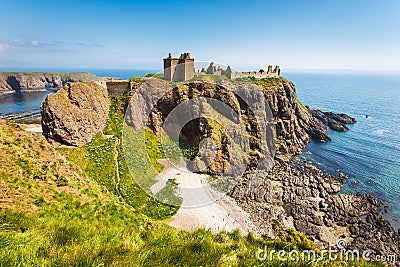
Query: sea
{"points": [[368, 153]]}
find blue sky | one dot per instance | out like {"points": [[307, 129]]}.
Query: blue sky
{"points": [[297, 35]]}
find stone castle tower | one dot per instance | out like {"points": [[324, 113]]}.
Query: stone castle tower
{"points": [[178, 69]]}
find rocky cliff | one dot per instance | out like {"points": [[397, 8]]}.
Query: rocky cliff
{"points": [[36, 81], [75, 114], [296, 195], [294, 123]]}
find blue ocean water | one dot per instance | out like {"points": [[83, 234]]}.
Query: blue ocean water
{"points": [[369, 153], [20, 102]]}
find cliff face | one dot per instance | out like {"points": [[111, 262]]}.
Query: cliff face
{"points": [[35, 81], [295, 126], [75, 114], [226, 135]]}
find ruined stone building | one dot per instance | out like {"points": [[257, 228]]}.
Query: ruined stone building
{"points": [[182, 69], [217, 70], [178, 69]]}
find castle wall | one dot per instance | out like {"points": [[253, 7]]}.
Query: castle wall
{"points": [[117, 88], [258, 75], [189, 69], [217, 70], [178, 70], [170, 68], [179, 74]]}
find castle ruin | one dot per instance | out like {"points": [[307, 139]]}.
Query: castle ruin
{"points": [[178, 69], [217, 70], [182, 69]]}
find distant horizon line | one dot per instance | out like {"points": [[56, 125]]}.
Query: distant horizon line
{"points": [[288, 70]]}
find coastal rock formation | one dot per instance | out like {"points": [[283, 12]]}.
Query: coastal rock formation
{"points": [[37, 81], [295, 126], [303, 197], [336, 122], [199, 127], [75, 114]]}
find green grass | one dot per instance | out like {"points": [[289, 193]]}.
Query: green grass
{"points": [[98, 234], [266, 82], [168, 195], [136, 79], [141, 150], [188, 151], [116, 115], [96, 159], [137, 164]]}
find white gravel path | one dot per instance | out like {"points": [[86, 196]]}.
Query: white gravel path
{"points": [[202, 206]]}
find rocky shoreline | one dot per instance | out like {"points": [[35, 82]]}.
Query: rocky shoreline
{"points": [[301, 196], [25, 117]]}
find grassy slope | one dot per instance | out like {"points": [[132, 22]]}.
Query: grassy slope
{"points": [[55, 214]]}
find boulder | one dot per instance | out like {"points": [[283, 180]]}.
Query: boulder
{"points": [[75, 114]]}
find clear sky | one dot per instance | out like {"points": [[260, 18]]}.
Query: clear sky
{"points": [[302, 35]]}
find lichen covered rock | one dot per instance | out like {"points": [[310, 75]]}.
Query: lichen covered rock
{"points": [[75, 114]]}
